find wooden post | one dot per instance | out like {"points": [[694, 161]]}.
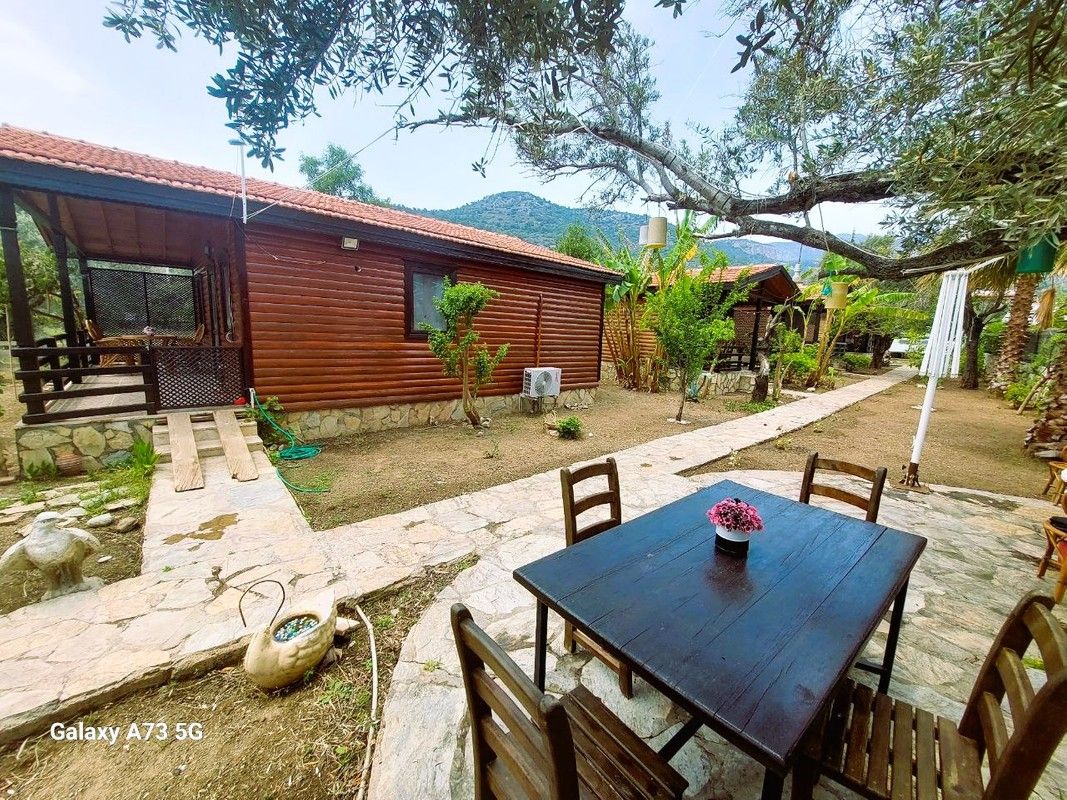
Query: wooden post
{"points": [[755, 336], [66, 297], [87, 287], [21, 315]]}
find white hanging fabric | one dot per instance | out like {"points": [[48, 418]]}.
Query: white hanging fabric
{"points": [[942, 356]]}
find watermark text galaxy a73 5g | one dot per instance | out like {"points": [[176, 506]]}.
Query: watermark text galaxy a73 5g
{"points": [[134, 732]]}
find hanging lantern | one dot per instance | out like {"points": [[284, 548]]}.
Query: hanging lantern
{"points": [[642, 236], [657, 232], [1038, 258], [838, 297]]}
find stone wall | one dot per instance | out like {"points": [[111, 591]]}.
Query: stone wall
{"points": [[97, 443], [330, 422]]}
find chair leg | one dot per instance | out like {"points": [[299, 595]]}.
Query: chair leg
{"points": [[1043, 564], [1051, 478], [1061, 584], [805, 778], [568, 637], [626, 682]]}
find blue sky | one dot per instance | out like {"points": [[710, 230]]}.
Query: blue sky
{"points": [[67, 74]]}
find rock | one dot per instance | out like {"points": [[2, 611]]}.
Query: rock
{"points": [[22, 508], [126, 524], [117, 459], [74, 513], [104, 559], [62, 501], [89, 441], [99, 521], [119, 505]]}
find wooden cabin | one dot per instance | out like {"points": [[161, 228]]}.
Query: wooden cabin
{"points": [[310, 298], [770, 286]]}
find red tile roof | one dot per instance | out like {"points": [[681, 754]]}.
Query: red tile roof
{"points": [[45, 148], [754, 272]]}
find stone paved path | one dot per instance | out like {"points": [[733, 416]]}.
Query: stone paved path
{"points": [[202, 549], [980, 559]]}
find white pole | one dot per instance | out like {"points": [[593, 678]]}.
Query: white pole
{"points": [[244, 187], [945, 338]]}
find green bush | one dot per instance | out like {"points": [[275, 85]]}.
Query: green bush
{"points": [[1018, 391], [857, 362], [797, 367], [143, 457], [569, 428], [267, 432]]}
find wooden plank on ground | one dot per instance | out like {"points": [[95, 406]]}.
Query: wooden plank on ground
{"points": [[187, 472], [238, 458]]}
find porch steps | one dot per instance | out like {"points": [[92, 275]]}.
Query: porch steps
{"points": [[217, 433]]}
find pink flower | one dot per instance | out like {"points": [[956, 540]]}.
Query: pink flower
{"points": [[735, 514]]}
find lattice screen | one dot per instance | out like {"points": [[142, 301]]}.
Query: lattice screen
{"points": [[194, 377], [126, 301]]}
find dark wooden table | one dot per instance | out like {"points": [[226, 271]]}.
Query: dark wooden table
{"points": [[750, 647]]}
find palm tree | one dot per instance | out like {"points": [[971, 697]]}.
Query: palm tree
{"points": [[1016, 334]]}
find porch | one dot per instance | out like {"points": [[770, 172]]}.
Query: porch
{"points": [[151, 314]]}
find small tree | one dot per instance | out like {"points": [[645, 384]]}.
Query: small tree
{"points": [[577, 241], [457, 345], [690, 319]]}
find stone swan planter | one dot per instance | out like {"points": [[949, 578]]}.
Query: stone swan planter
{"points": [[285, 649]]}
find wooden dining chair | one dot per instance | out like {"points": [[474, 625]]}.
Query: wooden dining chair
{"points": [[884, 749], [870, 504], [1055, 530], [1055, 467], [572, 509], [531, 746]]}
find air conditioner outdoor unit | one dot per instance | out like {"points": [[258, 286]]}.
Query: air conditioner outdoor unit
{"points": [[541, 382]]}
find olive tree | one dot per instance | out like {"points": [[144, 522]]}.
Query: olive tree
{"points": [[457, 344]]}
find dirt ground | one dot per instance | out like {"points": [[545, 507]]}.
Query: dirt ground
{"points": [[974, 440], [382, 473], [302, 743]]}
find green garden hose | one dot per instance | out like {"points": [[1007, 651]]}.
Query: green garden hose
{"points": [[294, 452]]}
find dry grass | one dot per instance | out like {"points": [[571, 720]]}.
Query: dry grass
{"points": [[303, 743], [391, 471], [974, 440]]}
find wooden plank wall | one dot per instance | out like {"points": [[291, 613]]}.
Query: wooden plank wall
{"points": [[327, 336]]}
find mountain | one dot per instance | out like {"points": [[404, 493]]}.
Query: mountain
{"points": [[541, 221]]}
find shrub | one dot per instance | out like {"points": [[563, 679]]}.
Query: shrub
{"points": [[857, 362], [143, 458], [1018, 391], [569, 428], [267, 432], [797, 367], [749, 407]]}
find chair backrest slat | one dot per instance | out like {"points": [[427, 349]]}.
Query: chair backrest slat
{"points": [[521, 737], [1017, 759], [870, 504], [572, 508], [1017, 686]]}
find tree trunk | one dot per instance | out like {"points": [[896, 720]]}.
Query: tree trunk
{"points": [[1016, 334], [685, 393], [973, 324], [1051, 427], [762, 382], [469, 407], [879, 346]]}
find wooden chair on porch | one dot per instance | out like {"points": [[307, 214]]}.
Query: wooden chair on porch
{"points": [[884, 749], [531, 746], [870, 504], [98, 338], [612, 498], [1055, 467], [1055, 530]]}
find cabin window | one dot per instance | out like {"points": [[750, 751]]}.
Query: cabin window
{"points": [[424, 286]]}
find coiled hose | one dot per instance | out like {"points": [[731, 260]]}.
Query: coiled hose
{"points": [[294, 452]]}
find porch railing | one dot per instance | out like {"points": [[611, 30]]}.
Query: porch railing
{"points": [[56, 377]]}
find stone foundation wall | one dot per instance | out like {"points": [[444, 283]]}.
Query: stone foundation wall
{"points": [[330, 422], [730, 382], [97, 443]]}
